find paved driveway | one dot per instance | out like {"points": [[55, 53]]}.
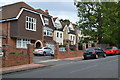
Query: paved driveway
{"points": [[37, 59]]}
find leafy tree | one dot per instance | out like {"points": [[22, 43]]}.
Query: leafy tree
{"points": [[64, 20], [100, 20]]}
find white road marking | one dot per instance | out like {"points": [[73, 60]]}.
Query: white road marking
{"points": [[49, 60]]}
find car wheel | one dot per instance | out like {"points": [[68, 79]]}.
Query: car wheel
{"points": [[51, 55], [96, 56], [35, 54], [104, 55], [44, 53], [85, 58]]}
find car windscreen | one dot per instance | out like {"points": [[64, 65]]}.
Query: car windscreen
{"points": [[89, 50], [109, 48], [40, 48]]}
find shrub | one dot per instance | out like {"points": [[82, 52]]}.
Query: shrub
{"points": [[17, 53]]}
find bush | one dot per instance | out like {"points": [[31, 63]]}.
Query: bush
{"points": [[17, 53]]}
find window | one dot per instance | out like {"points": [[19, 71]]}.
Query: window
{"points": [[71, 37], [57, 34], [44, 32], [47, 33], [46, 21], [60, 35], [0, 42], [79, 38], [115, 48], [22, 43], [57, 25], [30, 23], [0, 9]]}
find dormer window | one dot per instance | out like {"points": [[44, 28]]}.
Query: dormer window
{"points": [[57, 25], [30, 23], [46, 21]]}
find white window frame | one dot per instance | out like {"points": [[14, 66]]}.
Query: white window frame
{"points": [[46, 21], [57, 35], [30, 23], [48, 33], [22, 43], [61, 35]]}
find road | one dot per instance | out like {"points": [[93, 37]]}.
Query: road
{"points": [[92, 68]]}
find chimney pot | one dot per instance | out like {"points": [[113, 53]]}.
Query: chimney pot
{"points": [[46, 11]]}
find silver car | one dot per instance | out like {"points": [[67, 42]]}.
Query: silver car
{"points": [[62, 49], [43, 51], [1, 52]]}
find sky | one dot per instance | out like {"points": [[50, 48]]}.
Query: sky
{"points": [[64, 9]]}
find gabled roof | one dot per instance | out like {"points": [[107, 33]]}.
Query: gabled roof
{"points": [[12, 10], [65, 23], [55, 18], [68, 23]]}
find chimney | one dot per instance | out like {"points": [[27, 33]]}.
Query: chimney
{"points": [[46, 11]]}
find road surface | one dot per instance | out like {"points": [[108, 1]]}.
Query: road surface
{"points": [[92, 68]]}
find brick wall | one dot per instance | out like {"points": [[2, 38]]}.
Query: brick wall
{"points": [[14, 60], [18, 59], [68, 53]]}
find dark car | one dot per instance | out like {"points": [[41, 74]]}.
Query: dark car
{"points": [[94, 52]]}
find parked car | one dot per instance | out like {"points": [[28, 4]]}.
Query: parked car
{"points": [[94, 52], [1, 52], [62, 49], [43, 51], [112, 50]]}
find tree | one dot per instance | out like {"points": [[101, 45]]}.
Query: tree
{"points": [[65, 20], [100, 20]]}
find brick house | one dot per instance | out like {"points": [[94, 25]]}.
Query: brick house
{"points": [[58, 31], [48, 28], [20, 25]]}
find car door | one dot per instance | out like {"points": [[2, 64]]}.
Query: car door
{"points": [[49, 50], [99, 51], [46, 50], [115, 49]]}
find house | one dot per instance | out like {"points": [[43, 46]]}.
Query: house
{"points": [[58, 31], [48, 28], [20, 25], [69, 33]]}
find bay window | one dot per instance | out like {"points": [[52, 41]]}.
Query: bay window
{"points": [[48, 33]]}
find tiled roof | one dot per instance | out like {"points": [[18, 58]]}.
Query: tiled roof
{"points": [[12, 10]]}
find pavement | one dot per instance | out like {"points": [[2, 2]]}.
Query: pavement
{"points": [[33, 65]]}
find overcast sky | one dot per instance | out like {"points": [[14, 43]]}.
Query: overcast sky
{"points": [[64, 9]]}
